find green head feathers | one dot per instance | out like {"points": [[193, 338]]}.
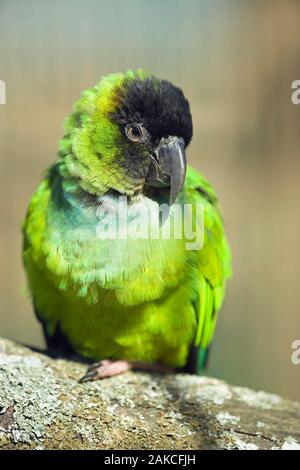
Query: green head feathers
{"points": [[112, 136]]}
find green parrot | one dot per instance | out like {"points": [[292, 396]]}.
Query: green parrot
{"points": [[126, 302]]}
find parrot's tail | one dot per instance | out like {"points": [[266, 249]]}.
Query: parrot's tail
{"points": [[197, 360]]}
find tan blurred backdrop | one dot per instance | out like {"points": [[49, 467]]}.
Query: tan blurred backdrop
{"points": [[235, 61]]}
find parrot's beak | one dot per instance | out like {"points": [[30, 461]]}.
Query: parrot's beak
{"points": [[168, 166]]}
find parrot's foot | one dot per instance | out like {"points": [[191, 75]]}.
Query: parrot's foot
{"points": [[105, 369], [110, 368]]}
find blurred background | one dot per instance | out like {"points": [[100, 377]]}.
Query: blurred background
{"points": [[235, 61]]}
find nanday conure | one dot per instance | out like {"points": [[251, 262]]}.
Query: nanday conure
{"points": [[125, 302]]}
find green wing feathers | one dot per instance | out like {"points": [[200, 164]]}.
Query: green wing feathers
{"points": [[214, 264]]}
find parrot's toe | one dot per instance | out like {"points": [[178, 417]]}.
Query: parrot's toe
{"points": [[104, 369]]}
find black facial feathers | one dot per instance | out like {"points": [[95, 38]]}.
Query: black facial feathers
{"points": [[156, 104]]}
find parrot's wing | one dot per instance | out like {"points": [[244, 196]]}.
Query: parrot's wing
{"points": [[214, 261]]}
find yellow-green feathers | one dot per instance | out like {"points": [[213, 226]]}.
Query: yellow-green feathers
{"points": [[90, 151], [146, 301]]}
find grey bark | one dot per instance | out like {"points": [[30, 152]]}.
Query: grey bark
{"points": [[42, 406]]}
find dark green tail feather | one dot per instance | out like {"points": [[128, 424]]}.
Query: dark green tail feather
{"points": [[203, 357]]}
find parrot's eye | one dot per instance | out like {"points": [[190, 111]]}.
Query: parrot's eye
{"points": [[136, 132]]}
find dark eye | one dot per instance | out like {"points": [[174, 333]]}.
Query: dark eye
{"points": [[136, 132]]}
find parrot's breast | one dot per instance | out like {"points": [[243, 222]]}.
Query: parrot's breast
{"points": [[114, 244], [111, 297]]}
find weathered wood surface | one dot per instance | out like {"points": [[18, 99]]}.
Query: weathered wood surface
{"points": [[42, 406]]}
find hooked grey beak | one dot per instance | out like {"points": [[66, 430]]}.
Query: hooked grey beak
{"points": [[168, 166]]}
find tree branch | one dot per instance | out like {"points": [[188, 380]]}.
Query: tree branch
{"points": [[42, 406]]}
